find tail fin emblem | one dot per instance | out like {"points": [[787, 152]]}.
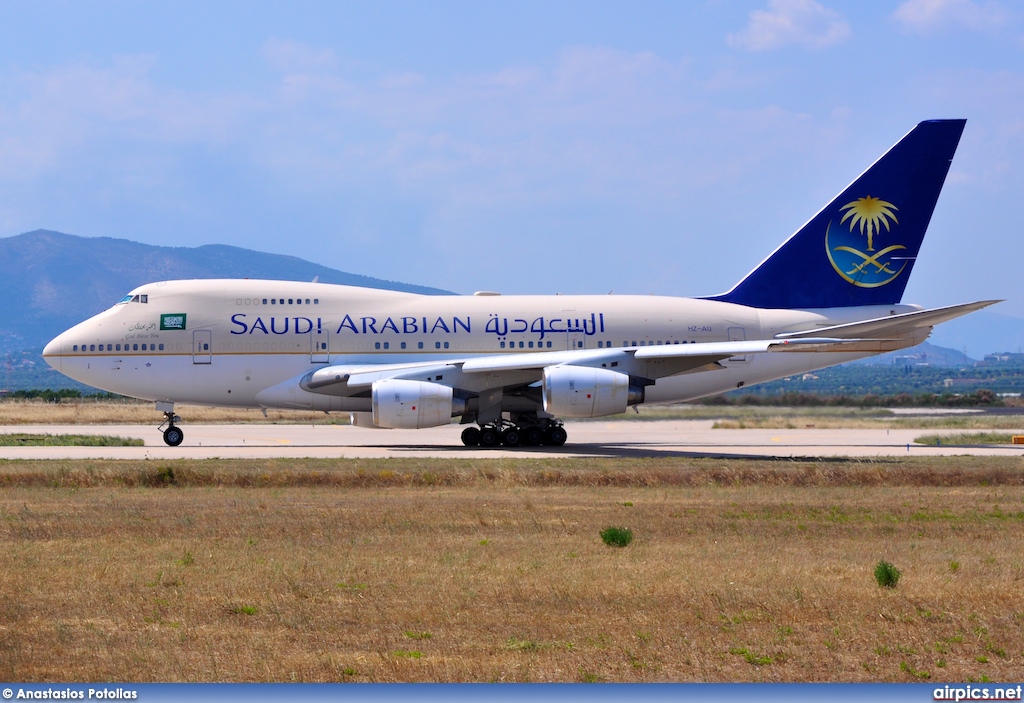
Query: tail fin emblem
{"points": [[869, 213], [870, 269]]}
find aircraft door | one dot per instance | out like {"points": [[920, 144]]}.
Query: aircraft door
{"points": [[738, 334], [202, 346], [319, 346], [575, 334]]}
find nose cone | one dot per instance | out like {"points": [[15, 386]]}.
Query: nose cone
{"points": [[52, 352]]}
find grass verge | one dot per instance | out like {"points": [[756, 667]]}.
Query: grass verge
{"points": [[965, 439], [66, 440]]}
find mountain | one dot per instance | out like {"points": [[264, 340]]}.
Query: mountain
{"points": [[50, 281], [981, 333], [924, 354]]}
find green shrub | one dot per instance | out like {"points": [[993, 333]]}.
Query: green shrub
{"points": [[886, 574], [617, 536]]}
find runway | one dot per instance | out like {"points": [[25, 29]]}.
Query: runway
{"points": [[618, 438]]}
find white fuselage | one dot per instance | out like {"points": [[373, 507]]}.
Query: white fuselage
{"points": [[223, 342]]}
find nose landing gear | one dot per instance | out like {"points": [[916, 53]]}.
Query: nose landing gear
{"points": [[173, 435]]}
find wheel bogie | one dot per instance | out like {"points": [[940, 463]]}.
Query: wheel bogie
{"points": [[504, 433]]}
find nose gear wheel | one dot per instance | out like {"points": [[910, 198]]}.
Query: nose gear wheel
{"points": [[173, 434]]}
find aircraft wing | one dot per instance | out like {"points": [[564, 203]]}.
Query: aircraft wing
{"points": [[518, 369], [481, 373]]}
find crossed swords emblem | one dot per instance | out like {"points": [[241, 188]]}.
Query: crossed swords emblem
{"points": [[871, 260]]}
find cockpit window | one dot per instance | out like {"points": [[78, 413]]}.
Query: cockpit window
{"points": [[133, 299]]}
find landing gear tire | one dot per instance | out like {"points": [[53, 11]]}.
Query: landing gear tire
{"points": [[173, 436], [489, 437], [511, 437], [555, 436], [471, 436], [532, 436]]}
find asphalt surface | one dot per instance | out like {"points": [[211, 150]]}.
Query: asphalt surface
{"points": [[619, 438]]}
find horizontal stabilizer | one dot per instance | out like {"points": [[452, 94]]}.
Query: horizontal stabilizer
{"points": [[892, 325]]}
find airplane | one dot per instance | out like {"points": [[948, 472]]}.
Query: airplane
{"points": [[512, 368]]}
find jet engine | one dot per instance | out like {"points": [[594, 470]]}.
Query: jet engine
{"points": [[402, 404], [580, 391]]}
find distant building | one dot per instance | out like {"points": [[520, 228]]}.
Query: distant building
{"points": [[1004, 358], [918, 359]]}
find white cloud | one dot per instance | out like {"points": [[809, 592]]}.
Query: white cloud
{"points": [[52, 117], [595, 144], [286, 55], [800, 22], [936, 15]]}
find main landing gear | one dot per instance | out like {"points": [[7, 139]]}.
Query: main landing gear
{"points": [[504, 433], [173, 435]]}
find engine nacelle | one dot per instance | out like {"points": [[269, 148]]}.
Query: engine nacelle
{"points": [[580, 391], [363, 420], [402, 404]]}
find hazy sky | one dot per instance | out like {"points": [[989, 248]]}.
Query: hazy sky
{"points": [[524, 147]]}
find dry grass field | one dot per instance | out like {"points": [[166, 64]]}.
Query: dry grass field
{"points": [[105, 412], [493, 570]]}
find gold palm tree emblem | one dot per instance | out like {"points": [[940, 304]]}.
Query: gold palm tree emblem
{"points": [[871, 214]]}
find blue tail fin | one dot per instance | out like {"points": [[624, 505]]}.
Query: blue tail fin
{"points": [[861, 247]]}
